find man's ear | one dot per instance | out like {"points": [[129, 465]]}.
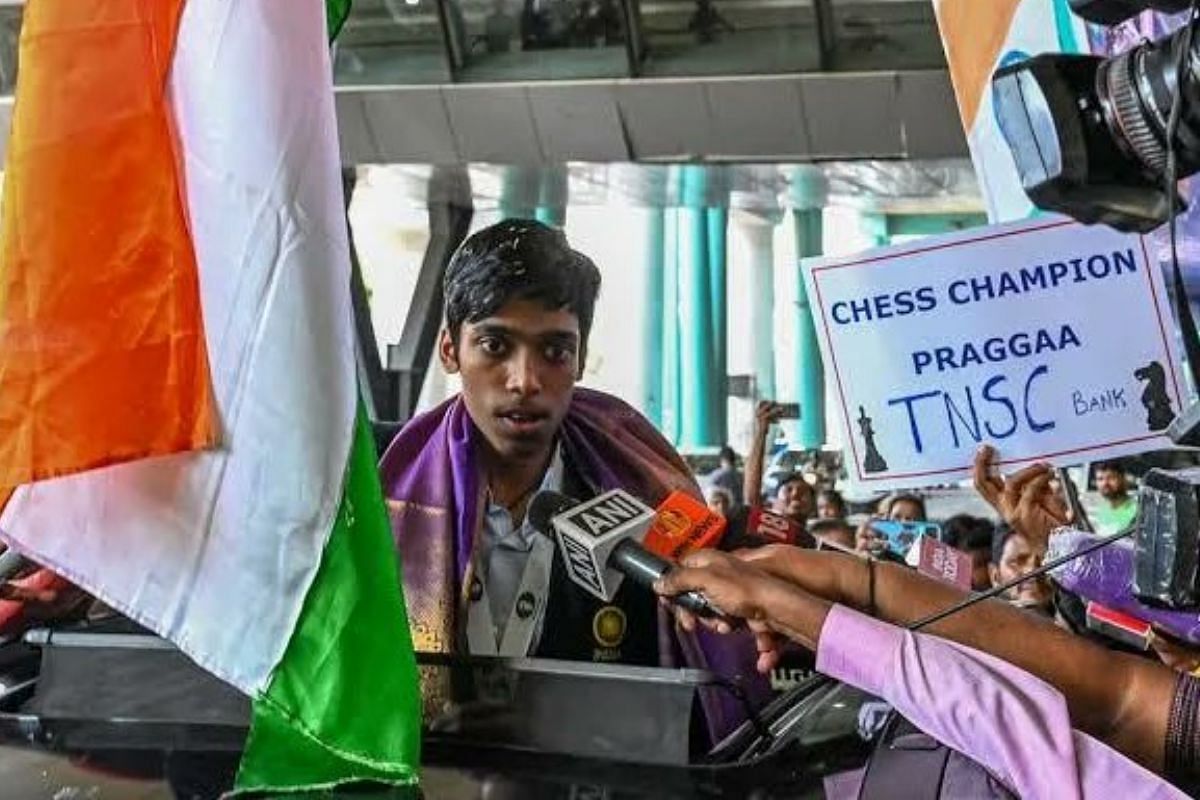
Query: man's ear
{"points": [[994, 574], [448, 352]]}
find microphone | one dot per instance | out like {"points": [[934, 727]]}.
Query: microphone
{"points": [[1106, 577], [1123, 628], [765, 527], [601, 543], [11, 562], [682, 525], [940, 561]]}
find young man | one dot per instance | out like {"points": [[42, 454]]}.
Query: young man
{"points": [[973, 536], [477, 578], [1014, 554], [793, 496], [1118, 509]]}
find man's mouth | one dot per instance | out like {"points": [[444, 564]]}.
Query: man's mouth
{"points": [[522, 420]]}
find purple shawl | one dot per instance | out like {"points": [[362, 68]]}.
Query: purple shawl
{"points": [[435, 493]]}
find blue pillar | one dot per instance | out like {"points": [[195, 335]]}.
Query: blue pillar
{"points": [[671, 403], [695, 313], [552, 196], [718, 278], [654, 339], [808, 200], [519, 189]]}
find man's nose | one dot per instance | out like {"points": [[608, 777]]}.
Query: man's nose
{"points": [[523, 378]]}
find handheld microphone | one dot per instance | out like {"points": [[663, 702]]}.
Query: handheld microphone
{"points": [[940, 561], [601, 544], [766, 527], [11, 562], [682, 525]]}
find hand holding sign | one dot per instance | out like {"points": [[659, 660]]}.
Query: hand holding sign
{"points": [[1025, 500]]}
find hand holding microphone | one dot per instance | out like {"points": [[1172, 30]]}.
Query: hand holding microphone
{"points": [[739, 589], [615, 536]]}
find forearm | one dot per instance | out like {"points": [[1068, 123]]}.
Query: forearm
{"points": [[1120, 699], [752, 482], [797, 615]]}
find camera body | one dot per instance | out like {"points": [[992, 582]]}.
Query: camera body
{"points": [[1089, 134]]}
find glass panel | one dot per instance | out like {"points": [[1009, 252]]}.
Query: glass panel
{"points": [[886, 34], [728, 37], [10, 33], [390, 220], [504, 40], [391, 42]]}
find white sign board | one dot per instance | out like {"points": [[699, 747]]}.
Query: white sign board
{"points": [[1048, 339]]}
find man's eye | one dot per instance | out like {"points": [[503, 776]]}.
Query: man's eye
{"points": [[557, 354], [491, 345]]}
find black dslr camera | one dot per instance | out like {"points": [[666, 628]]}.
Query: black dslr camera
{"points": [[1089, 134]]}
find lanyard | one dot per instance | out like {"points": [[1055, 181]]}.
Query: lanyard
{"points": [[515, 639]]}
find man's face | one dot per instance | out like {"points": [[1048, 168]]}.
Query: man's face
{"points": [[905, 511], [827, 508], [794, 499], [1110, 484], [981, 574], [1020, 557], [518, 369]]}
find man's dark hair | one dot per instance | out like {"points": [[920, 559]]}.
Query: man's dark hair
{"points": [[968, 533], [727, 455], [834, 497], [1108, 466], [519, 259], [793, 477]]}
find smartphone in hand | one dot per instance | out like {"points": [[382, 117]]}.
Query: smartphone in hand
{"points": [[901, 535]]}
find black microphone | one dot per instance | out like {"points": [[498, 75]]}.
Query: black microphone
{"points": [[11, 562], [601, 542]]}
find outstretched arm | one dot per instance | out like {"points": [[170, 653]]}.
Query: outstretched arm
{"points": [[765, 414]]}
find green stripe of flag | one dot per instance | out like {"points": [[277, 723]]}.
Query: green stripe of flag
{"points": [[344, 704], [336, 12]]}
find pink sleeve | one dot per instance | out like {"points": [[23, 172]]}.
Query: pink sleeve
{"points": [[1013, 724]]}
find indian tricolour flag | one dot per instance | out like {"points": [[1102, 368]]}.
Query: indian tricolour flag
{"points": [[180, 431]]}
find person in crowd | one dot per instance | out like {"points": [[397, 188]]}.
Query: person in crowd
{"points": [[906, 508], [897, 507], [834, 532], [1013, 555], [727, 476], [719, 500], [459, 479], [830, 505], [1051, 737], [793, 497], [973, 536], [1118, 508]]}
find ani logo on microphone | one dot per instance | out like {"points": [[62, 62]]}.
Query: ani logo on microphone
{"points": [[589, 533], [605, 514]]}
